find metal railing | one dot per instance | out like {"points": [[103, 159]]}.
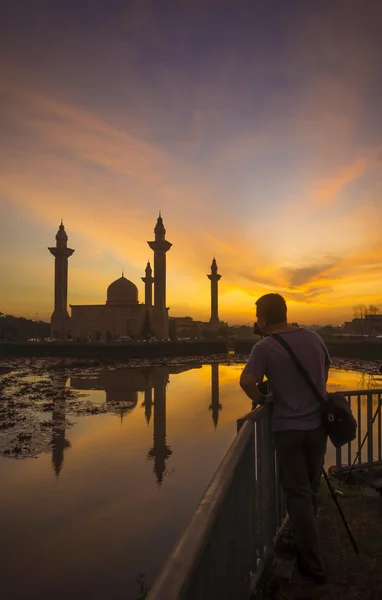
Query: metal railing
{"points": [[366, 407], [222, 552]]}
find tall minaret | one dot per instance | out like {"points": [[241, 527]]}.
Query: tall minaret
{"points": [[60, 316], [160, 246], [148, 281], [214, 278]]}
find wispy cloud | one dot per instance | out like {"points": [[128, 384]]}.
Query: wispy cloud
{"points": [[329, 189], [299, 276], [269, 159]]}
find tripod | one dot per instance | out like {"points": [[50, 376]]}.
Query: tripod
{"points": [[371, 423], [333, 494]]}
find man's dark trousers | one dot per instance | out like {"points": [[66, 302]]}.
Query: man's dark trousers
{"points": [[301, 458]]}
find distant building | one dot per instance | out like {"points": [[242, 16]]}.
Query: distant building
{"points": [[329, 330], [354, 327], [374, 324], [185, 327]]}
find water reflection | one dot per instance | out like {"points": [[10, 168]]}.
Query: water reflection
{"points": [[215, 406], [122, 386], [160, 452], [121, 394], [59, 442], [369, 381], [162, 439]]}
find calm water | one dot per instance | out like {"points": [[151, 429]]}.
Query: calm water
{"points": [[116, 491]]}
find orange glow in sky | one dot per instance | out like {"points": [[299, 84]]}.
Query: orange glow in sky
{"points": [[258, 135]]}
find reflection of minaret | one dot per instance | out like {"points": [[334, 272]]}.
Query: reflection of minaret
{"points": [[60, 316], [215, 406], [160, 246], [160, 451], [148, 280], [147, 403], [214, 278], [58, 443]]}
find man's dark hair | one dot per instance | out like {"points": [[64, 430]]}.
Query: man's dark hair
{"points": [[272, 308]]}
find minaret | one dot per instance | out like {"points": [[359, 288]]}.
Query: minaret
{"points": [[215, 406], [214, 278], [60, 316], [148, 281], [160, 246]]}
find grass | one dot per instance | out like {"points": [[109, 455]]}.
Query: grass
{"points": [[350, 576]]}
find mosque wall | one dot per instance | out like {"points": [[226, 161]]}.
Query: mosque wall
{"points": [[107, 322]]}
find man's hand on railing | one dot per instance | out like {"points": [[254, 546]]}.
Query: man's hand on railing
{"points": [[269, 399], [264, 399]]}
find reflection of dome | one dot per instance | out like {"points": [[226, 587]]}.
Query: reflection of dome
{"points": [[122, 291]]}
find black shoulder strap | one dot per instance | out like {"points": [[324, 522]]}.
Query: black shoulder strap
{"points": [[299, 367]]}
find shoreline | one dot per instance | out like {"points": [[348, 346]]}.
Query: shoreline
{"points": [[343, 349]]}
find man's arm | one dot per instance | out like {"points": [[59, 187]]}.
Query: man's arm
{"points": [[248, 384], [253, 373]]}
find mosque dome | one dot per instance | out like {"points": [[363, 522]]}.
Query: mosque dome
{"points": [[122, 291]]}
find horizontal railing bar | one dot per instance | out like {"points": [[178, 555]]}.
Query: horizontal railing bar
{"points": [[370, 391], [360, 466], [256, 414], [185, 557]]}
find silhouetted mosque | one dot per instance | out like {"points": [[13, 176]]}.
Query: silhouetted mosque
{"points": [[123, 315]]}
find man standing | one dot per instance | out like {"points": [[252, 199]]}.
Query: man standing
{"points": [[296, 420]]}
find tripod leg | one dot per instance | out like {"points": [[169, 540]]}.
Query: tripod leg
{"points": [[371, 423], [340, 511]]}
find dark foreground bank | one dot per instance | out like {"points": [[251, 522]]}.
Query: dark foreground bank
{"points": [[350, 576]]}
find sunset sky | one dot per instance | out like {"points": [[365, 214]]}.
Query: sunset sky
{"points": [[254, 126]]}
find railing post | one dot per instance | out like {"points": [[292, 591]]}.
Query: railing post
{"points": [[359, 419], [370, 429], [267, 488], [338, 459], [349, 444], [379, 427], [253, 509]]}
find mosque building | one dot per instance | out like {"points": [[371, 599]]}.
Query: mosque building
{"points": [[122, 315]]}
